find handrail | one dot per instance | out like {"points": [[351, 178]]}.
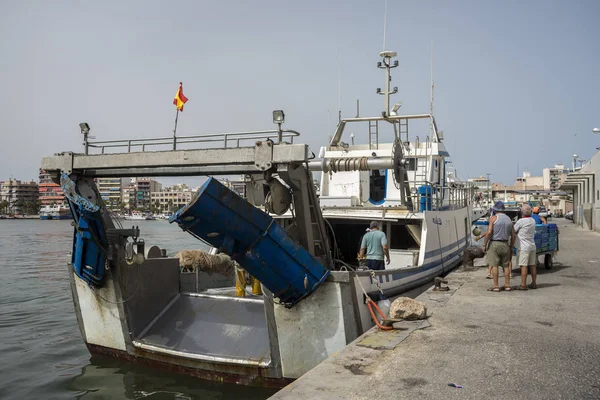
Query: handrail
{"points": [[458, 196], [225, 138]]}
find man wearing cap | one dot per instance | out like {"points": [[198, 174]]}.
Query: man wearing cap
{"points": [[537, 217], [374, 246], [501, 236]]}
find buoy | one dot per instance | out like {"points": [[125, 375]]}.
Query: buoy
{"points": [[477, 231]]}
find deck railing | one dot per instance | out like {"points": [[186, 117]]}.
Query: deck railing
{"points": [[441, 197], [224, 140]]}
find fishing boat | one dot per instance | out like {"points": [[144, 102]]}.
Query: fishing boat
{"points": [[135, 216], [133, 302], [56, 212]]}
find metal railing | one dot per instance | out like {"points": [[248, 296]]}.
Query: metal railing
{"points": [[225, 139], [450, 197]]}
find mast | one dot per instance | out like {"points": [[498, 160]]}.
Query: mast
{"points": [[432, 86], [387, 65], [431, 134]]}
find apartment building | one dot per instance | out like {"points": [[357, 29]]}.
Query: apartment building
{"points": [[50, 192], [554, 177], [110, 191], [137, 193], [172, 198], [19, 195]]}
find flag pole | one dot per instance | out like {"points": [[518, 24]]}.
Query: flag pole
{"points": [[175, 131]]}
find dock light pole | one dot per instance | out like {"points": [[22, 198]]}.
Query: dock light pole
{"points": [[85, 131], [489, 184], [279, 118]]}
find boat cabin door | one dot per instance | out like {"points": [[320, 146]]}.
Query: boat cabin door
{"points": [[377, 186]]}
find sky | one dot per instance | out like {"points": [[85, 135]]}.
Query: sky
{"points": [[517, 83]]}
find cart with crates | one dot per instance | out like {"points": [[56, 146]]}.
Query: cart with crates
{"points": [[546, 242]]}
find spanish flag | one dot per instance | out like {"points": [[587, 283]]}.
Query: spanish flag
{"points": [[180, 99]]}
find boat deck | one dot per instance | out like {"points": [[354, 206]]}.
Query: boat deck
{"points": [[210, 327]]}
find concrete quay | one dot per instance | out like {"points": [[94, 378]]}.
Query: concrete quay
{"points": [[535, 344]]}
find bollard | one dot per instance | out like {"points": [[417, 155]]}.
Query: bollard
{"points": [[240, 282], [256, 289]]}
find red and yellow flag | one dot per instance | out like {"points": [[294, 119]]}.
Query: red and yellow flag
{"points": [[180, 99]]}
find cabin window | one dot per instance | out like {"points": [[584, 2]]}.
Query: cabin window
{"points": [[411, 164], [377, 184]]}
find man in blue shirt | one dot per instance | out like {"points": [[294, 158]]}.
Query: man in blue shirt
{"points": [[536, 217], [374, 247]]}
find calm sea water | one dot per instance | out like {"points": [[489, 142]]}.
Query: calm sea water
{"points": [[42, 355]]}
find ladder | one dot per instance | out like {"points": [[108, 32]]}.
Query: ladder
{"points": [[373, 135], [421, 170], [404, 128]]}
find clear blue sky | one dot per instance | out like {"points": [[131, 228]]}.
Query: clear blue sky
{"points": [[516, 81]]}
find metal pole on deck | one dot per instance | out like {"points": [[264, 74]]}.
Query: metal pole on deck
{"points": [[175, 131]]}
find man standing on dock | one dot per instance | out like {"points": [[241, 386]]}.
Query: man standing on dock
{"points": [[526, 255], [500, 233], [374, 244], [537, 217]]}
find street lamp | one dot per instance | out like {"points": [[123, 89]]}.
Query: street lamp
{"points": [[85, 131], [279, 118], [489, 195]]}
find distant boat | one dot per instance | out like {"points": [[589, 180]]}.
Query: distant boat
{"points": [[136, 216], [55, 212]]}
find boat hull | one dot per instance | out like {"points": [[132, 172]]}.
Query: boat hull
{"points": [[240, 376]]}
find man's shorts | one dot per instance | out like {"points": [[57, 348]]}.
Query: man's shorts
{"points": [[526, 258], [375, 265], [499, 254]]}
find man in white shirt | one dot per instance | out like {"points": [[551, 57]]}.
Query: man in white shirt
{"points": [[526, 255]]}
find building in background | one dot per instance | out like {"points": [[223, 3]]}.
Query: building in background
{"points": [[171, 198], [137, 193], [554, 177], [584, 184], [50, 192], [527, 181], [238, 186], [110, 191], [20, 197]]}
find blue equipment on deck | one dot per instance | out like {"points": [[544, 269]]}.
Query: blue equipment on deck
{"points": [[425, 197], [251, 237], [90, 244]]}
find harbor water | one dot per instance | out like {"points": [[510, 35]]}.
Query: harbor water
{"points": [[43, 354]]}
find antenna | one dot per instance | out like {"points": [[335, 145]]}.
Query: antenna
{"points": [[339, 89], [384, 24], [432, 85]]}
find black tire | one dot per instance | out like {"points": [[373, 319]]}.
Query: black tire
{"points": [[548, 261]]}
